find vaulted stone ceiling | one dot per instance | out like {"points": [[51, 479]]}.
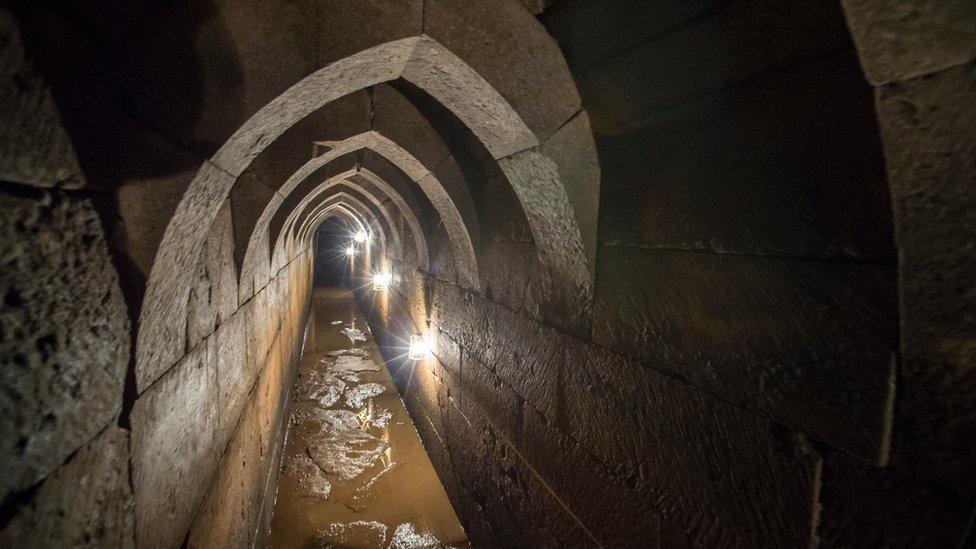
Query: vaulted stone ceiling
{"points": [[698, 274]]}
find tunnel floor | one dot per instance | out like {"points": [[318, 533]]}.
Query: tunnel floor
{"points": [[355, 472]]}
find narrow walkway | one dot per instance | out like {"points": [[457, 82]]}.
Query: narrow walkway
{"points": [[355, 471]]}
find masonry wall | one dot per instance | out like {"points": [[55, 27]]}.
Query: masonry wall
{"points": [[781, 340], [750, 343], [91, 459]]}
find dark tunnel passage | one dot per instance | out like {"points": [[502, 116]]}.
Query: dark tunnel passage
{"points": [[505, 273]]}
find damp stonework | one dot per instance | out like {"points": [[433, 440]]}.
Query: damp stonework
{"points": [[355, 472]]}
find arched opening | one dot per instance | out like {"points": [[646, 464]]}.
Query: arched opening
{"points": [[635, 274]]}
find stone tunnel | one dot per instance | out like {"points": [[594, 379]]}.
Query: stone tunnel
{"points": [[678, 274]]}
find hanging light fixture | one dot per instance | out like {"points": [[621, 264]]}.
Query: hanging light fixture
{"points": [[361, 236], [350, 251]]}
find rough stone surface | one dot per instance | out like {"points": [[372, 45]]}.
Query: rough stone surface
{"points": [[174, 450], [536, 7], [228, 516], [398, 119], [810, 343], [511, 274], [219, 252], [590, 33], [526, 355], [508, 47], [711, 467], [514, 500], [930, 146], [615, 514], [162, 320], [900, 39], [243, 55], [34, 147], [64, 333], [235, 374], [714, 51], [363, 69], [572, 148], [455, 85], [485, 394], [535, 178], [87, 502], [867, 506], [387, 20], [788, 165], [201, 316], [146, 202], [450, 177]]}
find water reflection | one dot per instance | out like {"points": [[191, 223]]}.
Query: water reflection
{"points": [[355, 472]]}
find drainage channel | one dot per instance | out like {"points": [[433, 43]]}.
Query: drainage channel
{"points": [[355, 472]]}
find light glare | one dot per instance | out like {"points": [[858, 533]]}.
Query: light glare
{"points": [[381, 280], [350, 251], [361, 236], [420, 347]]}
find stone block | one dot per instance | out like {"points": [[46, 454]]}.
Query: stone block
{"points": [[591, 33], [365, 24], [248, 199], [268, 392], [484, 393], [458, 188], [228, 516], [448, 353], [810, 343], [442, 259], [235, 374], [930, 146], [473, 463], [174, 448], [508, 47], [458, 312], [400, 120], [512, 275], [898, 39], [244, 55], [428, 395], [613, 513], [507, 221], [574, 152], [867, 506], [201, 315], [788, 165], [34, 147], [569, 292], [161, 340], [221, 269], [711, 468], [519, 504], [64, 333], [146, 198], [527, 356], [710, 53], [87, 502]]}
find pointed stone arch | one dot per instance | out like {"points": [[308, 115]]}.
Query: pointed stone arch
{"points": [[448, 79]]}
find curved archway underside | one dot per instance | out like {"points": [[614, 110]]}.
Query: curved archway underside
{"points": [[426, 64]]}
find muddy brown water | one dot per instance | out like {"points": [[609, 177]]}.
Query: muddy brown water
{"points": [[354, 471]]}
